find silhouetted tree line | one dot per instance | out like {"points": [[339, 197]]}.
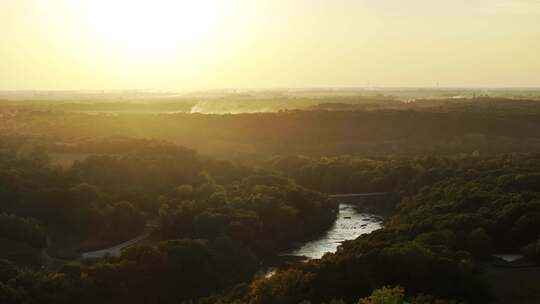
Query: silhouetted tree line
{"points": [[410, 130]]}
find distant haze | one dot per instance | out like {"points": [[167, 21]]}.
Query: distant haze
{"points": [[175, 45]]}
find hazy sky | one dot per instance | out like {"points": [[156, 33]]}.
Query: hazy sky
{"points": [[167, 44]]}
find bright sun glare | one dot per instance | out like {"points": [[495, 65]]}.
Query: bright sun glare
{"points": [[150, 27]]}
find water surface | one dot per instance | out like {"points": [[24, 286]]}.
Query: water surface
{"points": [[349, 225]]}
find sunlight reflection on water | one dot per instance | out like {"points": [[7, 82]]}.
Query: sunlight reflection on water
{"points": [[349, 225]]}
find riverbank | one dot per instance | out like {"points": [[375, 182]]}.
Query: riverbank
{"points": [[350, 223]]}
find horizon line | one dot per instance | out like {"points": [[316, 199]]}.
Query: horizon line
{"points": [[171, 90]]}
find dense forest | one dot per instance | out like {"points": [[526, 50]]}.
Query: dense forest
{"points": [[423, 127], [221, 197]]}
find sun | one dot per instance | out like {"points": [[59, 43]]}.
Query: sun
{"points": [[150, 27]]}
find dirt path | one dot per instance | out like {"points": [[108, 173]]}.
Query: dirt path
{"points": [[116, 250]]}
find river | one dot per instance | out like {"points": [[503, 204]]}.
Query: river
{"points": [[349, 225]]}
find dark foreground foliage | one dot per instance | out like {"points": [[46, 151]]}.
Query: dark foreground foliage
{"points": [[217, 223]]}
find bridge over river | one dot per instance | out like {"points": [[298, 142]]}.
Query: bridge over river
{"points": [[373, 202]]}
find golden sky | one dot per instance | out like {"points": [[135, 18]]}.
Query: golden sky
{"points": [[176, 44]]}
